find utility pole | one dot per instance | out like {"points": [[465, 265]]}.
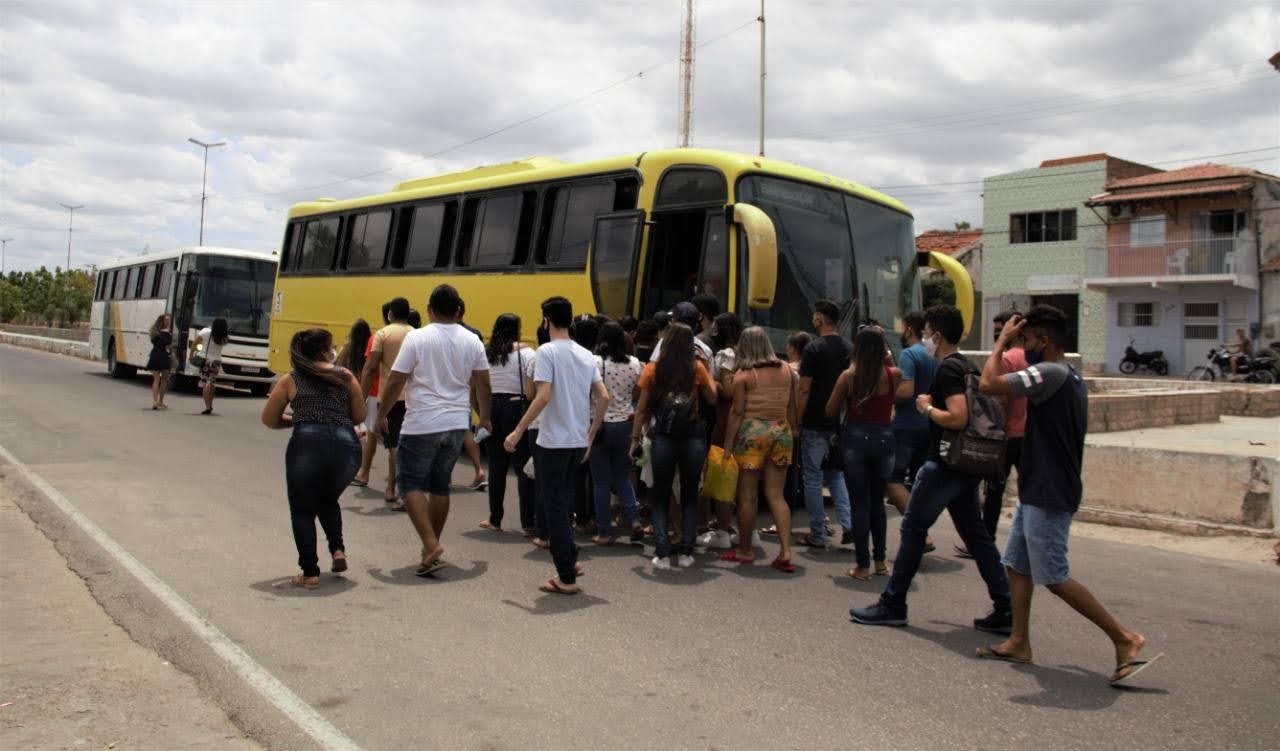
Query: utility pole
{"points": [[204, 178], [70, 219], [4, 243], [686, 75], [762, 74]]}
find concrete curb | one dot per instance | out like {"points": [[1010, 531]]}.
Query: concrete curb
{"points": [[67, 347], [1172, 524]]}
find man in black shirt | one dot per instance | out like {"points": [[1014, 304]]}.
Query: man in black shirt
{"points": [[821, 363], [938, 487], [1049, 487]]}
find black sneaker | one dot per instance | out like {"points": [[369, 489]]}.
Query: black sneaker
{"points": [[879, 615], [962, 552], [847, 537], [998, 622]]}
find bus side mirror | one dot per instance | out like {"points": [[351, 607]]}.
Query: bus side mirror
{"points": [[762, 253], [955, 271]]}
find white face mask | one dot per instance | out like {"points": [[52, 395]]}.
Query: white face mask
{"points": [[930, 346]]}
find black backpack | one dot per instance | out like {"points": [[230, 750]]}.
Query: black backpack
{"points": [[979, 448], [676, 415]]}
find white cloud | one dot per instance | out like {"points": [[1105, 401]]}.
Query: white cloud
{"points": [[97, 99]]}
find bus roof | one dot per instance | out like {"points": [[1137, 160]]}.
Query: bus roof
{"points": [[538, 169], [208, 250]]}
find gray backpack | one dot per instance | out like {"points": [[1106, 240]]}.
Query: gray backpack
{"points": [[979, 448]]}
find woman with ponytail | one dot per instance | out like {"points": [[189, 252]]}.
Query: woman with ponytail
{"points": [[323, 453], [508, 358]]}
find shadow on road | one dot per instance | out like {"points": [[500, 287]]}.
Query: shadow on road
{"points": [[554, 604], [329, 586], [405, 576], [502, 538], [677, 577]]}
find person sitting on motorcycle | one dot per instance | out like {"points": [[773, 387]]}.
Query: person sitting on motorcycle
{"points": [[1242, 350]]}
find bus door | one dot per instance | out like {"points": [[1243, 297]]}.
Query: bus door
{"points": [[688, 240], [184, 300]]}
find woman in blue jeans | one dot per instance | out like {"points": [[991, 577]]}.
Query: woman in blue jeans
{"points": [[863, 394], [610, 457], [323, 453], [670, 390]]}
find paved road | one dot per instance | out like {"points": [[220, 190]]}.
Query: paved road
{"points": [[712, 657]]}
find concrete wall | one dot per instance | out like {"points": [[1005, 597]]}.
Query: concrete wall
{"points": [[1157, 409], [46, 344], [1240, 399], [1238, 490], [1046, 268], [1266, 213]]}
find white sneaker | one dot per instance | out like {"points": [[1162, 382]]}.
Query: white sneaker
{"points": [[662, 564], [715, 538], [683, 561]]}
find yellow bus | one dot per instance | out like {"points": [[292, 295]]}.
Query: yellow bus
{"points": [[631, 235]]}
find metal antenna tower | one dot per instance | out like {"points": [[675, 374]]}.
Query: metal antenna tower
{"points": [[687, 45]]}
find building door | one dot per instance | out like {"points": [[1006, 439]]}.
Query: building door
{"points": [[1201, 331], [1070, 307]]}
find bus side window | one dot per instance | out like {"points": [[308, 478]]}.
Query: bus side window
{"points": [[318, 245], [130, 283], [497, 231], [165, 283], [425, 235], [366, 241], [627, 194], [97, 287], [573, 221], [289, 248], [148, 281]]}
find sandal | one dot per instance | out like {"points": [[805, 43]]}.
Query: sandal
{"points": [[553, 586], [339, 564], [486, 524], [360, 483], [853, 573], [991, 653], [733, 556], [772, 529], [304, 581], [881, 569], [786, 567], [429, 568]]}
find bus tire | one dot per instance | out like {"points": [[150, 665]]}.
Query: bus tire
{"points": [[259, 389], [116, 368]]}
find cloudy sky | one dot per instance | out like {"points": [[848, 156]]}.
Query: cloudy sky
{"points": [[98, 99]]}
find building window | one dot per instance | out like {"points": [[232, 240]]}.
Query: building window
{"points": [[1138, 314], [1043, 226], [1147, 230]]}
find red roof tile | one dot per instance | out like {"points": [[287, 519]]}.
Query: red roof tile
{"points": [[1235, 186], [950, 242], [1189, 174]]}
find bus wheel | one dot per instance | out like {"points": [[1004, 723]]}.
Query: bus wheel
{"points": [[116, 368], [259, 389]]}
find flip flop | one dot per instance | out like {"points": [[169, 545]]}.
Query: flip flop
{"points": [[395, 505], [360, 483], [429, 568], [772, 529], [732, 556], [855, 577], [1137, 665], [486, 524], [554, 587], [786, 567], [990, 653], [301, 580]]}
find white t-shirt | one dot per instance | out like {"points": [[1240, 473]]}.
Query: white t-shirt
{"points": [[620, 381], [505, 379], [698, 343], [212, 350], [571, 370], [530, 360], [439, 361]]}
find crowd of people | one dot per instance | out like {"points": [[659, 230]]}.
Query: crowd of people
{"points": [[645, 411]]}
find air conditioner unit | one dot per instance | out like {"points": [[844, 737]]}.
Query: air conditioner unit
{"points": [[1121, 211]]}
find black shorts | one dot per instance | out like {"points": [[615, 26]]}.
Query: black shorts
{"points": [[395, 421]]}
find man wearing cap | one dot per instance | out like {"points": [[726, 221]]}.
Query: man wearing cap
{"points": [[686, 313]]}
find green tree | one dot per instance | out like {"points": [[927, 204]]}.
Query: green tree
{"points": [[937, 289]]}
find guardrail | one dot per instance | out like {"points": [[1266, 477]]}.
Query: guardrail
{"points": [[1172, 259]]}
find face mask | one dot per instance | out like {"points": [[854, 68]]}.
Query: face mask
{"points": [[930, 346], [903, 339], [1034, 357]]}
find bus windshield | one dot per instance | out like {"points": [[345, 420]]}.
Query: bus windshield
{"points": [[831, 245], [237, 289]]}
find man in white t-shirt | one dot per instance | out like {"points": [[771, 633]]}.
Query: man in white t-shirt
{"points": [[567, 379], [437, 368]]}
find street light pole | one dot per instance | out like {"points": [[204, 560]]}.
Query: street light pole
{"points": [[71, 217], [762, 76], [4, 243], [204, 177]]}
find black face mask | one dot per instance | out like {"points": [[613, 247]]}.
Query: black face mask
{"points": [[903, 338]]}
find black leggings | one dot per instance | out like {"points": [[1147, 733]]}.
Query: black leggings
{"points": [[319, 463], [506, 413]]}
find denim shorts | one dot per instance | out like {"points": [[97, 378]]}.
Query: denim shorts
{"points": [[425, 462], [1037, 544]]}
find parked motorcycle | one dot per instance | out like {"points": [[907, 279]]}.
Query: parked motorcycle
{"points": [[1261, 368], [1135, 360]]}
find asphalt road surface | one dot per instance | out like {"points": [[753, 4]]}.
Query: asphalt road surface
{"points": [[711, 657]]}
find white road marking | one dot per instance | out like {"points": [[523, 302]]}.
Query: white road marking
{"points": [[302, 714]]}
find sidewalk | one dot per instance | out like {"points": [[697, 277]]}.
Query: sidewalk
{"points": [[72, 678]]}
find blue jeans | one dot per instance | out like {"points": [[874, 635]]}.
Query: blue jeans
{"points": [[669, 456], [610, 462], [938, 488], [554, 470], [1037, 545], [814, 446], [318, 465], [868, 463]]}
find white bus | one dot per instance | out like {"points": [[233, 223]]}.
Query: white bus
{"points": [[195, 285]]}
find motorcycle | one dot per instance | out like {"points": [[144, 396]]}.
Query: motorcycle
{"points": [[1135, 360], [1261, 368]]}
